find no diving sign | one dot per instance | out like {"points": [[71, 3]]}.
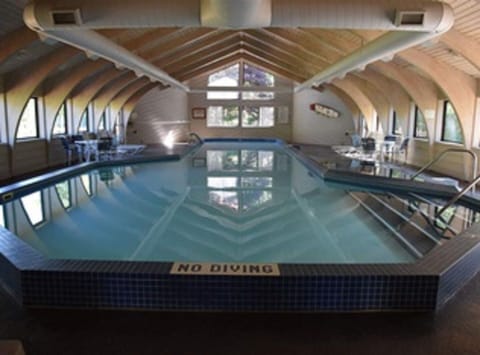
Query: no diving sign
{"points": [[231, 269]]}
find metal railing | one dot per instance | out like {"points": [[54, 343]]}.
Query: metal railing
{"points": [[442, 154], [458, 196], [196, 136]]}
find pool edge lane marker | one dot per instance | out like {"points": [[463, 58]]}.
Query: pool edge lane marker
{"points": [[230, 269]]}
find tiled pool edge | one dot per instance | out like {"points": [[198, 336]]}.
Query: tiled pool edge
{"points": [[423, 286]]}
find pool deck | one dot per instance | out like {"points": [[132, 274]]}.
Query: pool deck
{"points": [[453, 330]]}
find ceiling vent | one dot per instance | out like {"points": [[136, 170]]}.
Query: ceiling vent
{"points": [[66, 17], [409, 18]]}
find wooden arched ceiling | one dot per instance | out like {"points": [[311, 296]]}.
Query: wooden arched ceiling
{"points": [[184, 53]]}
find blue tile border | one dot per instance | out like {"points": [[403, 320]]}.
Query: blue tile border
{"points": [[424, 285]]}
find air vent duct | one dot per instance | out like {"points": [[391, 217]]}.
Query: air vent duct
{"points": [[66, 17], [409, 18]]}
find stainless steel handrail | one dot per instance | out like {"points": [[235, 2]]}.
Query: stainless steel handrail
{"points": [[193, 134], [450, 150], [455, 198]]}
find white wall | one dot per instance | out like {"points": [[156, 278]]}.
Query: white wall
{"points": [[157, 113], [312, 128]]}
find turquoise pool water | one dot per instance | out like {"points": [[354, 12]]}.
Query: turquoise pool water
{"points": [[227, 202]]}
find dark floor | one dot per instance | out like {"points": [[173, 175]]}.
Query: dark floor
{"points": [[453, 330]]}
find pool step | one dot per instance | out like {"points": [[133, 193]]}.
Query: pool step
{"points": [[427, 209], [406, 224]]}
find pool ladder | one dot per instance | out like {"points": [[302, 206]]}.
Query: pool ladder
{"points": [[195, 137], [470, 186]]}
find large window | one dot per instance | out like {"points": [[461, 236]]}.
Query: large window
{"points": [[224, 78], [258, 117], [420, 126], [28, 126], [255, 77], [84, 122], [249, 114], [60, 124], [451, 130], [223, 116]]}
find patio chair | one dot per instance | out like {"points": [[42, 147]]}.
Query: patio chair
{"points": [[104, 148], [69, 148], [369, 148]]}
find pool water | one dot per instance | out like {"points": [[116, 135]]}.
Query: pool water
{"points": [[226, 202]]}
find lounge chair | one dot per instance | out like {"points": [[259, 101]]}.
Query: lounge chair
{"points": [[130, 149]]}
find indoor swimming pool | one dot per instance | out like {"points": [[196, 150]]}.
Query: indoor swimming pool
{"points": [[231, 225], [226, 202]]}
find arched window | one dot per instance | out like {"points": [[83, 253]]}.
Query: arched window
{"points": [[420, 126], [28, 125], [451, 129], [60, 124], [102, 124], [84, 122]]}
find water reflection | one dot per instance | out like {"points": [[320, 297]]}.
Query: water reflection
{"points": [[229, 188]]}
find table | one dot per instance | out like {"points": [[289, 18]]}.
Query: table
{"points": [[87, 148]]}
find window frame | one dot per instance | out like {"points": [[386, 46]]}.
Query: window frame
{"points": [[65, 120], [85, 114], [259, 116], [70, 199], [42, 206], [223, 107], [240, 102], [415, 120], [37, 121], [395, 125], [444, 116]]}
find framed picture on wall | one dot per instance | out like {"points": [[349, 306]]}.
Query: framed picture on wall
{"points": [[199, 113]]}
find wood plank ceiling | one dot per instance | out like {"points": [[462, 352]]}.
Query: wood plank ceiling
{"points": [[295, 53]]}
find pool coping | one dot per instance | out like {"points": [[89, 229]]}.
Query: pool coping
{"points": [[424, 285]]}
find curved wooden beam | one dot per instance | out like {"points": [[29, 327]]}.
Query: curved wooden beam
{"points": [[394, 93], [107, 94], [117, 103], [349, 102], [57, 95], [132, 101], [376, 97], [360, 99], [22, 84], [81, 99], [459, 87], [423, 92]]}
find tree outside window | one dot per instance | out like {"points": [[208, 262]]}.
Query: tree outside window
{"points": [[222, 116], [451, 130], [258, 117], [420, 130]]}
